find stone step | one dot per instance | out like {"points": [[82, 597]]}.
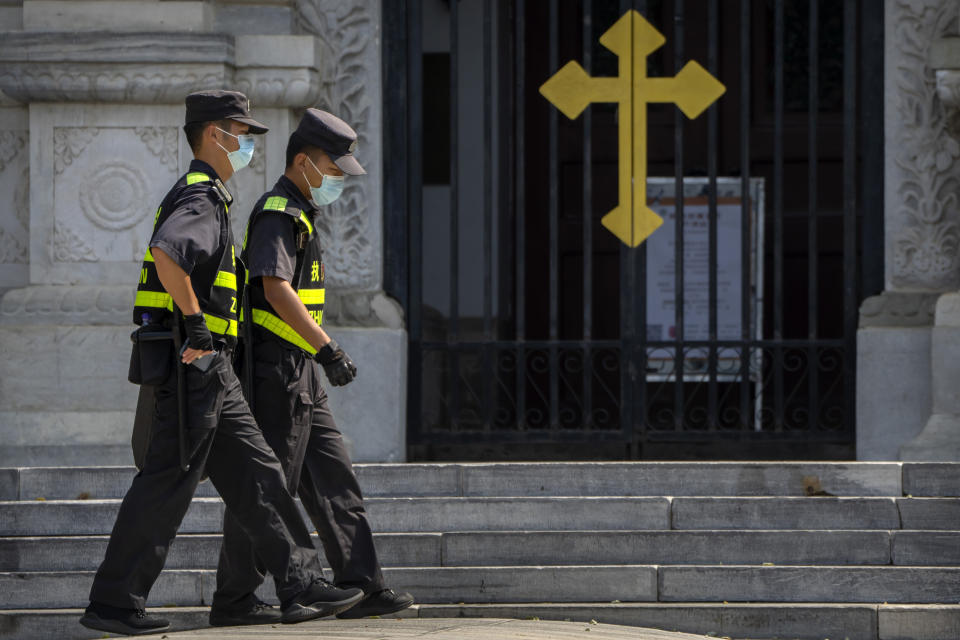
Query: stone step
{"points": [[926, 548], [900, 585], [552, 548], [931, 479], [401, 515], [623, 583], [73, 455], [430, 584], [815, 513], [410, 515], [189, 551], [742, 621], [868, 479]]}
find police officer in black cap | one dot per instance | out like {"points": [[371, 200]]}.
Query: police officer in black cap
{"points": [[285, 343], [189, 268]]}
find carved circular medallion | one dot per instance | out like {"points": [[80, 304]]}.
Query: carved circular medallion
{"points": [[112, 197]]}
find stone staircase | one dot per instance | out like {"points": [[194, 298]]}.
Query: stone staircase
{"points": [[863, 551]]}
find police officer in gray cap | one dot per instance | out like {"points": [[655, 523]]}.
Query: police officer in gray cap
{"points": [[200, 422], [284, 344]]}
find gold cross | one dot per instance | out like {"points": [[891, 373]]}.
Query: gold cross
{"points": [[571, 90]]}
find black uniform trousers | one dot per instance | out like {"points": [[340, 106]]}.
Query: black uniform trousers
{"points": [[290, 405], [226, 444]]}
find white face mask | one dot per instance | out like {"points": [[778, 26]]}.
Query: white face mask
{"points": [[330, 187]]}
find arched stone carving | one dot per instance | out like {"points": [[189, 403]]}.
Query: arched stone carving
{"points": [[923, 190], [351, 226]]}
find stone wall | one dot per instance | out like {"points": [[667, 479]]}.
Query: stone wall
{"points": [[895, 371], [91, 111]]}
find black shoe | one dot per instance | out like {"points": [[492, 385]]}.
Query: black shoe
{"points": [[129, 622], [378, 604], [319, 600], [261, 613]]}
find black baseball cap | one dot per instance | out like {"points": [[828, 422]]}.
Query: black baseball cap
{"points": [[217, 104], [334, 136]]}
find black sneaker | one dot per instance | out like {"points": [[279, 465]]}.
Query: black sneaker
{"points": [[261, 613], [129, 622], [319, 600], [378, 604]]}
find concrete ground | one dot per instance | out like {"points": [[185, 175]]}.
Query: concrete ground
{"points": [[432, 629]]}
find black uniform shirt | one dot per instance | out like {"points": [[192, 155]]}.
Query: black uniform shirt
{"points": [[195, 231], [272, 245]]}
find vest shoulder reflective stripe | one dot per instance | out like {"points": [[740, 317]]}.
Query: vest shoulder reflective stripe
{"points": [[278, 327], [275, 203], [195, 177]]}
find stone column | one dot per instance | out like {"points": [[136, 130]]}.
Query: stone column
{"points": [[907, 332], [940, 438], [372, 411], [91, 111]]}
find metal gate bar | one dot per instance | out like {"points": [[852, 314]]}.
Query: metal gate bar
{"points": [[488, 404], [453, 333], [679, 171], [850, 298], [778, 150], [554, 389], [713, 19], [746, 257], [588, 40], [520, 214], [813, 106]]}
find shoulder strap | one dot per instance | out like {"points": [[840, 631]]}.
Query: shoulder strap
{"points": [[197, 177]]}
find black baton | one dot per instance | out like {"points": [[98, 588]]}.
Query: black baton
{"points": [[181, 388], [247, 330]]}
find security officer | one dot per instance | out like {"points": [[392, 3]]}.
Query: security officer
{"points": [[189, 267], [286, 296]]}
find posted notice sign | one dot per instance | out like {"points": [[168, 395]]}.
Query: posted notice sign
{"points": [[731, 263]]}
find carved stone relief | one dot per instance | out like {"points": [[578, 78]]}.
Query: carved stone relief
{"points": [[70, 247], [162, 142], [274, 86], [112, 197], [108, 182], [11, 143], [14, 211], [21, 199], [923, 191], [350, 226], [108, 82], [69, 143]]}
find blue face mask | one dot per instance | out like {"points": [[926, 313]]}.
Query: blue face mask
{"points": [[242, 156], [329, 190]]}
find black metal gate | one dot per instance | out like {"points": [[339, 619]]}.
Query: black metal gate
{"points": [[534, 332]]}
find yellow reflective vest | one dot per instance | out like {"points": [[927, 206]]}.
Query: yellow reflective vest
{"points": [[308, 277], [153, 301]]}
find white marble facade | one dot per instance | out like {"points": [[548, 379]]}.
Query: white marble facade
{"points": [[908, 334], [91, 112]]}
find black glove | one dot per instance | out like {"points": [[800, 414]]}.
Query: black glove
{"points": [[198, 336], [337, 364]]}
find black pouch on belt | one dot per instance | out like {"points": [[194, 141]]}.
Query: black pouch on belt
{"points": [[151, 356]]}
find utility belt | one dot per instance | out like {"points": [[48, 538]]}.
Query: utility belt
{"points": [[153, 353]]}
